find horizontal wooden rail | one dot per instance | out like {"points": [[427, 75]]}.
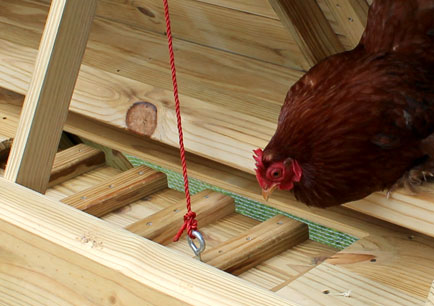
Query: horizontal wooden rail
{"points": [[162, 226], [258, 244], [121, 190]]}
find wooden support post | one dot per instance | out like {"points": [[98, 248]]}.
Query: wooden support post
{"points": [[352, 16], [162, 226], [258, 244], [47, 101], [122, 190], [430, 300], [75, 161], [309, 27]]}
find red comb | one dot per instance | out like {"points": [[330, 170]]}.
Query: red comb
{"points": [[258, 158]]}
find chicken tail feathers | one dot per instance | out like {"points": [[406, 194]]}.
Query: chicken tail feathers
{"points": [[402, 26]]}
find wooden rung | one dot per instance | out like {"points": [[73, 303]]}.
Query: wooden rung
{"points": [[256, 245], [162, 226], [75, 161], [430, 300], [123, 189], [5, 147]]}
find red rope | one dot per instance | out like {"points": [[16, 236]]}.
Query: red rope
{"points": [[190, 223]]}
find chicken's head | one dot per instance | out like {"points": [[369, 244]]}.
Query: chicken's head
{"points": [[272, 174]]}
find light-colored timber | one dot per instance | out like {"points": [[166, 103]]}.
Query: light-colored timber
{"points": [[119, 191], [75, 255], [273, 272], [430, 300], [106, 263], [309, 27], [258, 244], [351, 15], [417, 208], [73, 162], [46, 105], [162, 226]]}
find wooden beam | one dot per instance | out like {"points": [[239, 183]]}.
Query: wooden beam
{"points": [[430, 300], [258, 244], [76, 257], [46, 104], [333, 285], [73, 162], [309, 27], [122, 190], [162, 226], [262, 84], [352, 16]]}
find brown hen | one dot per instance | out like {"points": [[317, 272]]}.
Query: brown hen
{"points": [[359, 121]]}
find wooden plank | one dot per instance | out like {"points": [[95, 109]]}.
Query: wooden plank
{"points": [[352, 16], [262, 84], [332, 285], [231, 142], [309, 27], [257, 7], [430, 300], [77, 255], [162, 226], [210, 25], [46, 104], [144, 208], [277, 272], [258, 244], [121, 190], [73, 162]]}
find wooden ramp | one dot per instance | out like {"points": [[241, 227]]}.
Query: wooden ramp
{"points": [[276, 255]]}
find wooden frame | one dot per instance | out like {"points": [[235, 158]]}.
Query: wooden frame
{"points": [[82, 256]]}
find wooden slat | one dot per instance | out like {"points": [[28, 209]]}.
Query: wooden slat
{"points": [[332, 285], [46, 105], [311, 30], [231, 142], [162, 226], [258, 244], [73, 162], [430, 300], [277, 272], [210, 25], [351, 15], [122, 190], [262, 84], [257, 7], [77, 257]]}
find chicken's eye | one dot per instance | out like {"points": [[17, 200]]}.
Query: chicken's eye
{"points": [[276, 173]]}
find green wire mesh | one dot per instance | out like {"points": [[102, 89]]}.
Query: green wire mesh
{"points": [[252, 208]]}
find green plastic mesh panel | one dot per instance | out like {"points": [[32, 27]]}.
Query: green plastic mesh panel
{"points": [[252, 208]]}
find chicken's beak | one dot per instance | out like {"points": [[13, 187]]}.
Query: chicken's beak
{"points": [[267, 192]]}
